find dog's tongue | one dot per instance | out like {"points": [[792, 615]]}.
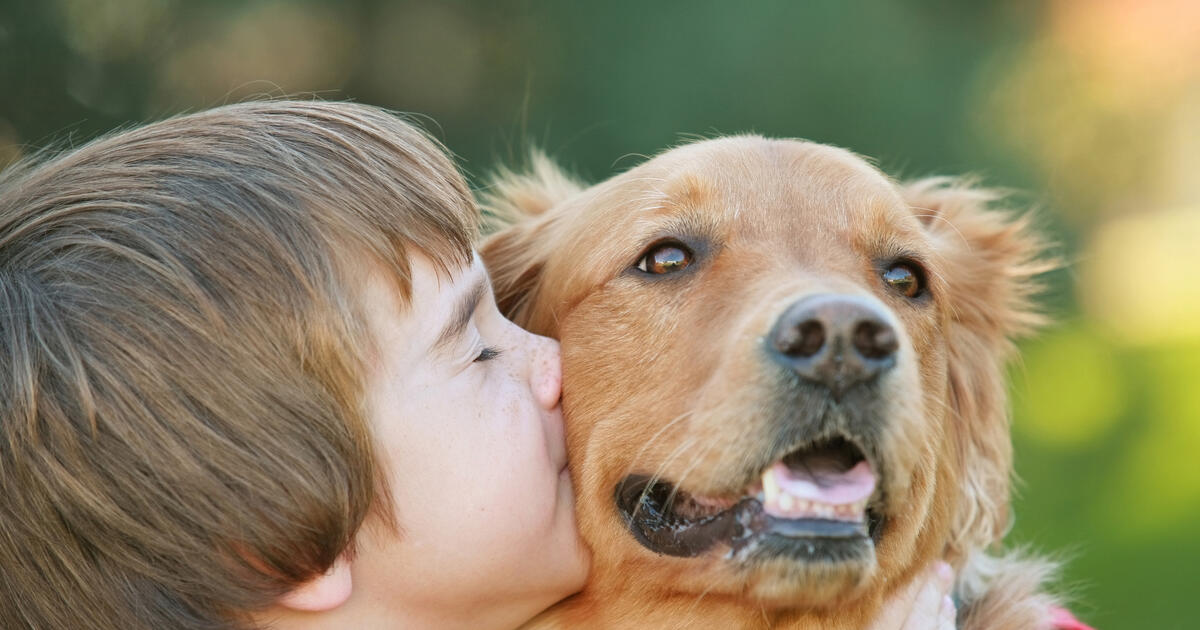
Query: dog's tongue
{"points": [[823, 481]]}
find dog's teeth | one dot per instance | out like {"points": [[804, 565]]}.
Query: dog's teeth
{"points": [[770, 489], [778, 501]]}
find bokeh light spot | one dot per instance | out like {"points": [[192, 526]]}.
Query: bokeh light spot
{"points": [[1155, 487], [1140, 277], [276, 48], [114, 29], [1069, 388]]}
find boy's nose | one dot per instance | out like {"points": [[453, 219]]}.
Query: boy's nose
{"points": [[546, 373]]}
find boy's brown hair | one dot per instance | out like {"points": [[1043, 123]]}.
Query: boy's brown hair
{"points": [[182, 431]]}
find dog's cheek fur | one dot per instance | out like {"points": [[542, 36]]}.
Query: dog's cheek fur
{"points": [[621, 424], [988, 264]]}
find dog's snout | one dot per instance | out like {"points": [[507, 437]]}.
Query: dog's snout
{"points": [[834, 340]]}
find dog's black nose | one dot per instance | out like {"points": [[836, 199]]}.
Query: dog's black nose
{"points": [[834, 340]]}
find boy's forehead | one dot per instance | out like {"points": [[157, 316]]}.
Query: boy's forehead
{"points": [[446, 287], [459, 299], [437, 312]]}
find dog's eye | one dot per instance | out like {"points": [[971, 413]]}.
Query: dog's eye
{"points": [[665, 258], [905, 279]]}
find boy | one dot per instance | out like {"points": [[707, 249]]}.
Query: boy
{"points": [[253, 376], [213, 356]]}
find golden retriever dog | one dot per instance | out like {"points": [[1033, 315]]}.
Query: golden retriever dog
{"points": [[783, 383]]}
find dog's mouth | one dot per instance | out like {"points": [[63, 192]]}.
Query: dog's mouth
{"points": [[817, 502]]}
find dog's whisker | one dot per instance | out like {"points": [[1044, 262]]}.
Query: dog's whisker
{"points": [[647, 178], [687, 471], [678, 451], [700, 597], [653, 193], [683, 447], [932, 214], [643, 156], [938, 275], [654, 438]]}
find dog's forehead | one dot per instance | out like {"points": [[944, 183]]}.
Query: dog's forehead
{"points": [[751, 178], [755, 188]]}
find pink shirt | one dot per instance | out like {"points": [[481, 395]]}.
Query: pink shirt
{"points": [[1064, 620]]}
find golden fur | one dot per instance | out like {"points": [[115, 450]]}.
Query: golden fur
{"points": [[664, 375]]}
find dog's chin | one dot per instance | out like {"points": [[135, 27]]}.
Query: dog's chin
{"points": [[803, 534]]}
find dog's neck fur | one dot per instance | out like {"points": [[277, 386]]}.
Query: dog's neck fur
{"points": [[677, 612]]}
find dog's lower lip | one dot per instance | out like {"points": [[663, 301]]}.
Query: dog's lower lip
{"points": [[814, 497], [815, 528], [646, 507]]}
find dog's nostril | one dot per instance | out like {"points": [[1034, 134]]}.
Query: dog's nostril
{"points": [[835, 341], [875, 340], [801, 341], [812, 338]]}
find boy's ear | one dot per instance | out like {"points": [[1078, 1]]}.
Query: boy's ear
{"points": [[989, 264], [324, 592]]}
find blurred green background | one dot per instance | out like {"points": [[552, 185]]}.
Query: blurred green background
{"points": [[1092, 107]]}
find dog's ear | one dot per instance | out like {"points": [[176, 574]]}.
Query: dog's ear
{"points": [[515, 197], [514, 261], [516, 207], [989, 263]]}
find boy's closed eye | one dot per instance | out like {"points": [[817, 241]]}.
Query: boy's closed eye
{"points": [[487, 354]]}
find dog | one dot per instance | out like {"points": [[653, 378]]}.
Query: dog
{"points": [[783, 382]]}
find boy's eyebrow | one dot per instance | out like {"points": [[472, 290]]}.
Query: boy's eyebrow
{"points": [[462, 313]]}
